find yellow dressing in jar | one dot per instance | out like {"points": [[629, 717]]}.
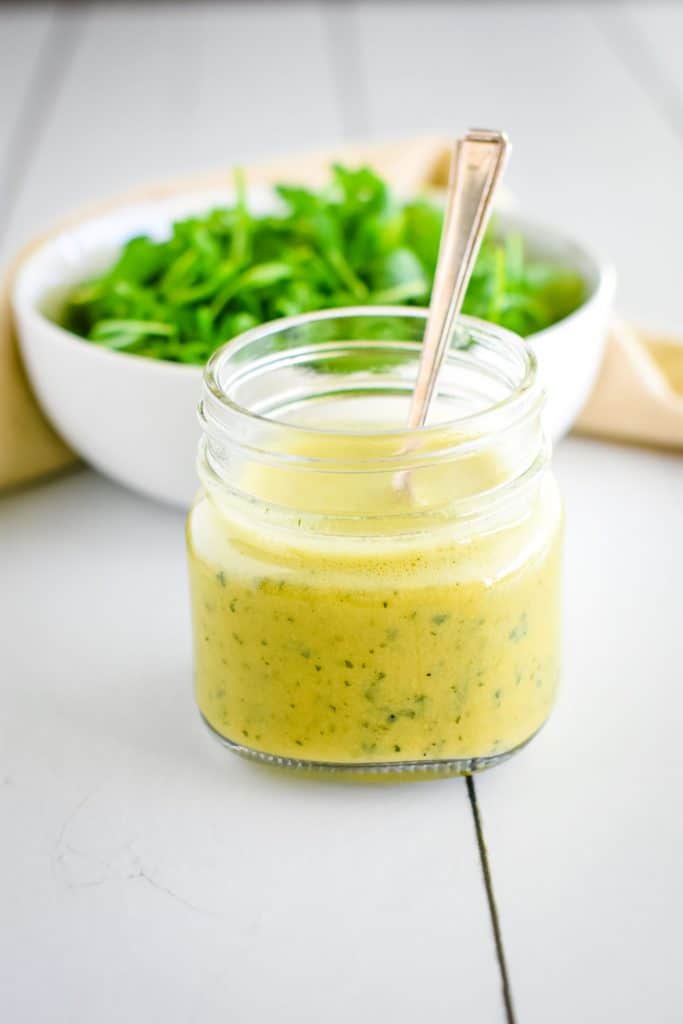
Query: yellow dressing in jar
{"points": [[363, 601]]}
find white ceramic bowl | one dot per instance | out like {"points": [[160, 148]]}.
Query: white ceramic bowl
{"points": [[134, 418]]}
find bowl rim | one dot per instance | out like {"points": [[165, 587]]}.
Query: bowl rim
{"points": [[600, 280]]}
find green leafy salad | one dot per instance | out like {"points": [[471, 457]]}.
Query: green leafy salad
{"points": [[351, 243]]}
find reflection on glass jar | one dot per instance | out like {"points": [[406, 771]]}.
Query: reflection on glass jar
{"points": [[368, 598]]}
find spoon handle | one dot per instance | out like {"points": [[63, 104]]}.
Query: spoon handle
{"points": [[478, 162]]}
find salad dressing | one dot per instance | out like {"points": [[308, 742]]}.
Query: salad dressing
{"points": [[349, 647]]}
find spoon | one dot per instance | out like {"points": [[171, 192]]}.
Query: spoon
{"points": [[477, 165]]}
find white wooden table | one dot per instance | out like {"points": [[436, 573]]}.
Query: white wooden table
{"points": [[146, 875]]}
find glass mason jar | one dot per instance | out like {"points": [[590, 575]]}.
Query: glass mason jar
{"points": [[368, 598]]}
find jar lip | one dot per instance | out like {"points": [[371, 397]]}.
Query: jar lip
{"points": [[526, 392]]}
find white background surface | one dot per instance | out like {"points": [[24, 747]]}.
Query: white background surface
{"points": [[144, 874]]}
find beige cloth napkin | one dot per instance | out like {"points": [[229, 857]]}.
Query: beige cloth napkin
{"points": [[639, 395]]}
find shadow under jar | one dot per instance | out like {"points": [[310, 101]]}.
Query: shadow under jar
{"points": [[367, 598]]}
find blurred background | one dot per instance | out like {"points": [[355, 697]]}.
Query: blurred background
{"points": [[96, 97]]}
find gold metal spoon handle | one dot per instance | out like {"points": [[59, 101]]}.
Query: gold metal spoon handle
{"points": [[479, 158]]}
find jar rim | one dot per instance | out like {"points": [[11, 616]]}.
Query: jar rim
{"points": [[237, 433], [523, 397]]}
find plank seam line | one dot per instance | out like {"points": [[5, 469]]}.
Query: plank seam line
{"points": [[639, 59], [491, 900], [348, 70], [46, 78]]}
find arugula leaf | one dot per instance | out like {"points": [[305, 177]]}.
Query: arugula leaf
{"points": [[350, 243]]}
